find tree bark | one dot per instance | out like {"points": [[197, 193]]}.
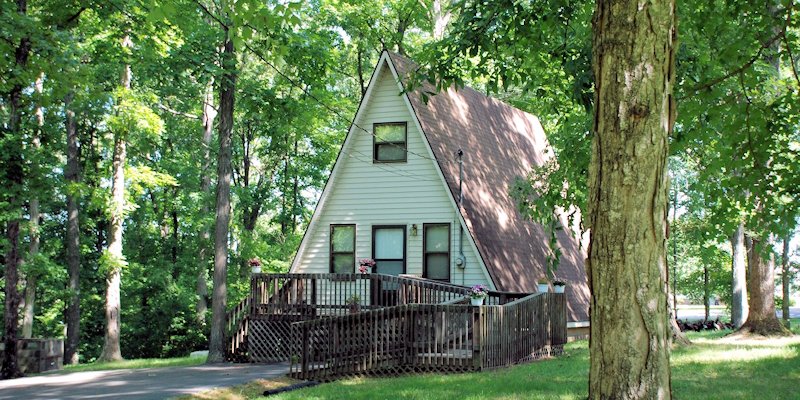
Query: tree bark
{"points": [[28, 310], [360, 70], [13, 184], [440, 17], [739, 307], [209, 113], [761, 285], [111, 347], [216, 345], [706, 294], [678, 337], [633, 60], [72, 175], [786, 279]]}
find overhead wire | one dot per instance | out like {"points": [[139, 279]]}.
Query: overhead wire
{"points": [[331, 109], [368, 159]]}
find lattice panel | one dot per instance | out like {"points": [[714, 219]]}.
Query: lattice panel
{"points": [[269, 340]]}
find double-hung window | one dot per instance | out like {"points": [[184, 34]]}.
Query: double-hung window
{"points": [[389, 249], [389, 142], [343, 249], [436, 251]]}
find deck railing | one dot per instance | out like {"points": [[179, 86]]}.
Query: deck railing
{"points": [[398, 324], [398, 339], [236, 327], [427, 337], [522, 330], [314, 295]]}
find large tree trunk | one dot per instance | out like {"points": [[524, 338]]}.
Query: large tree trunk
{"points": [[111, 348], [786, 279], [209, 113], [633, 56], [739, 307], [28, 310], [440, 17], [706, 294], [678, 337], [72, 175], [216, 345], [761, 285], [13, 183]]}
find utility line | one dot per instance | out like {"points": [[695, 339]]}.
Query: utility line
{"points": [[329, 108]]}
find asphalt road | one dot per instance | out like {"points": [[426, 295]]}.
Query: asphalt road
{"points": [[140, 384]]}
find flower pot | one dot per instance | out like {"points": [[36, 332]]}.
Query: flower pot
{"points": [[544, 288], [256, 269], [559, 288], [477, 301]]}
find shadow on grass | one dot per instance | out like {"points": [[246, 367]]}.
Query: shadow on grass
{"points": [[719, 369], [711, 368], [564, 378]]}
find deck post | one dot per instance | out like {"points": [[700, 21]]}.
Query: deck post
{"points": [[477, 324]]}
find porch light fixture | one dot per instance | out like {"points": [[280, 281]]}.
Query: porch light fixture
{"points": [[413, 229]]}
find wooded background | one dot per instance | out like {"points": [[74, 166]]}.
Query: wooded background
{"points": [[124, 123]]}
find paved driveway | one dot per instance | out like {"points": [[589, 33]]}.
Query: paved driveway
{"points": [[144, 384]]}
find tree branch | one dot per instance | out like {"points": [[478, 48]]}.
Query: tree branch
{"points": [[211, 15], [176, 112], [738, 70], [791, 59]]}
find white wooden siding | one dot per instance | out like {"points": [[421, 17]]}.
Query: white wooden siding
{"points": [[367, 194]]}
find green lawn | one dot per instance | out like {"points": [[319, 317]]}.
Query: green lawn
{"points": [[713, 368], [136, 364]]}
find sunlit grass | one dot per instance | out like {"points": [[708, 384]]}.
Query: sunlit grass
{"points": [[713, 367], [137, 364]]}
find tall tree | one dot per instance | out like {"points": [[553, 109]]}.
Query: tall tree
{"points": [[227, 88], [761, 319], [33, 212], [115, 258], [12, 170], [633, 61], [739, 307], [72, 176], [786, 280], [209, 114]]}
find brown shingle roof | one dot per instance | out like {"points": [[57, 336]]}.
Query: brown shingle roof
{"points": [[500, 144]]}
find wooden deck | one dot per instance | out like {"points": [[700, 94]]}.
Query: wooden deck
{"points": [[401, 325]]}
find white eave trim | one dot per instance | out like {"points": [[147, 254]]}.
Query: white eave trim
{"points": [[385, 58], [331, 182]]}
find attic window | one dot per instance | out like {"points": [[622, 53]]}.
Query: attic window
{"points": [[389, 142]]}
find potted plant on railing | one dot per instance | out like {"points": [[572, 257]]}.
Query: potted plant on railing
{"points": [[544, 286], [559, 286], [365, 265], [354, 304], [255, 265], [478, 294]]}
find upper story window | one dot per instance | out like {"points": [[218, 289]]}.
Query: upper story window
{"points": [[390, 141]]}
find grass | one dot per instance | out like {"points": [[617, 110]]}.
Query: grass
{"points": [[136, 364], [714, 367]]}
